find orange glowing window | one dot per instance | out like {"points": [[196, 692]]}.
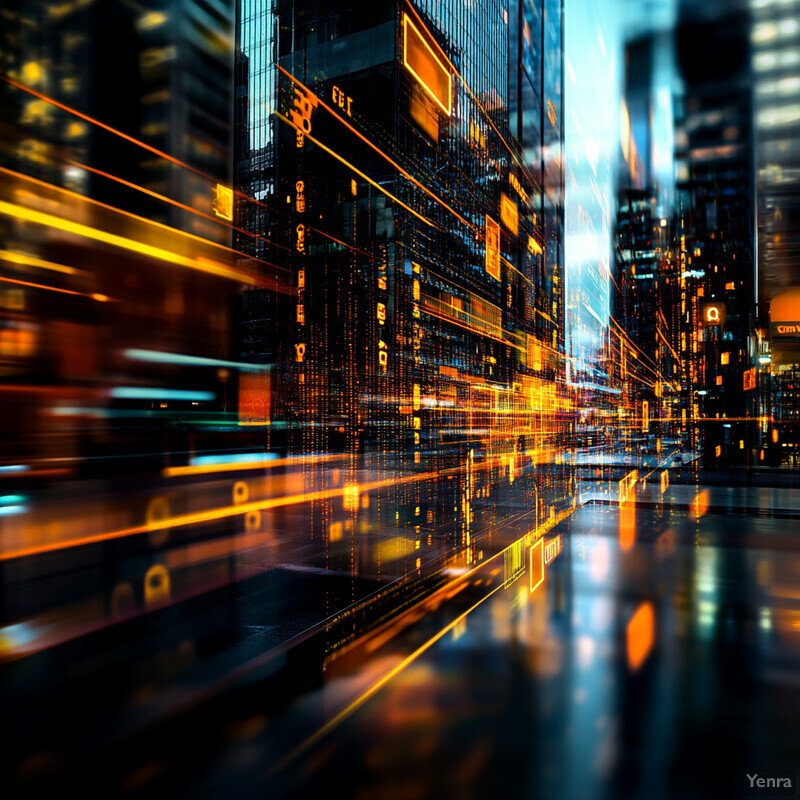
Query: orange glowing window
{"points": [[725, 358], [640, 635], [424, 59], [350, 497], [509, 213], [731, 285], [223, 202], [719, 380], [492, 259]]}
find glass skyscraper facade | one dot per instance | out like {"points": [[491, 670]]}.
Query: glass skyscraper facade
{"points": [[406, 159]]}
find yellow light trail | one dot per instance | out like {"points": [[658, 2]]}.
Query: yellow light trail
{"points": [[231, 511], [200, 264], [161, 153], [231, 466], [177, 204], [379, 684], [31, 261], [150, 223], [211, 515]]}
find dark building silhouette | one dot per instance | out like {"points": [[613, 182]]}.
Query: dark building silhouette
{"points": [[717, 234]]}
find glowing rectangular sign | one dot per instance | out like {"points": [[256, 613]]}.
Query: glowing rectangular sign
{"points": [[714, 314], [509, 213], [492, 248], [426, 62], [223, 202]]}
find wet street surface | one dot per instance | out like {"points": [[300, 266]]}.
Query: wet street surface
{"points": [[659, 657], [566, 693]]}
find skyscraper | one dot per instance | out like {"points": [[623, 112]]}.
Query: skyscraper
{"points": [[406, 157], [715, 181], [385, 147]]}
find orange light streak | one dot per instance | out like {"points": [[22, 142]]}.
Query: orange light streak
{"points": [[164, 199], [359, 701], [199, 264], [105, 127], [31, 261], [209, 516], [49, 288], [231, 466], [151, 223]]}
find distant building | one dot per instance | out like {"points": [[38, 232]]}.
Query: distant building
{"points": [[717, 233]]}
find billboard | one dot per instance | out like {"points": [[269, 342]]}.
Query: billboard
{"points": [[424, 59]]}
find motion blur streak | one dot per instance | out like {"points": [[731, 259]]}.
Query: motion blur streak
{"points": [[230, 466], [204, 516], [99, 124], [199, 263]]}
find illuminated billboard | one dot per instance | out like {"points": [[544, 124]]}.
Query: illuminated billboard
{"points": [[424, 59]]}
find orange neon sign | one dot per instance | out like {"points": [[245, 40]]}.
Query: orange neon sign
{"points": [[714, 314], [427, 66]]}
